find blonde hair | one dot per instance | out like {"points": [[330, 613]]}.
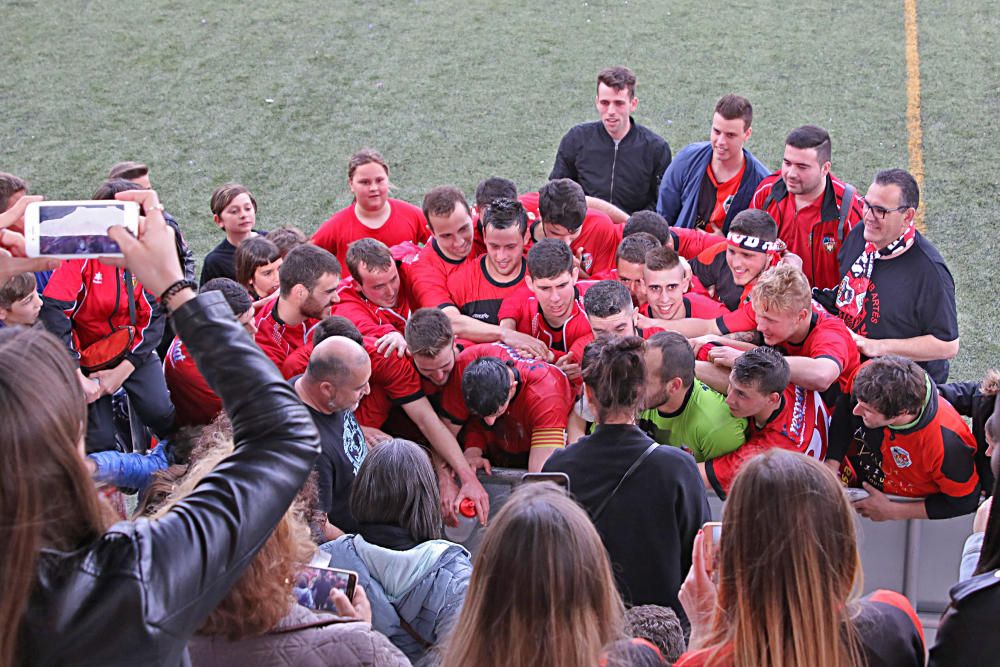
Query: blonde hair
{"points": [[541, 592], [263, 595], [789, 568], [784, 288]]}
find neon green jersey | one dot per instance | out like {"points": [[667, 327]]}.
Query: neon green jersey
{"points": [[703, 425]]}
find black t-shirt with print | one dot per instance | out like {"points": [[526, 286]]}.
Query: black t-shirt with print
{"points": [[910, 295]]}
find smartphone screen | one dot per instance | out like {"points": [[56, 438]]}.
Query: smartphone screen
{"points": [[711, 538], [560, 478], [76, 229], [313, 585]]}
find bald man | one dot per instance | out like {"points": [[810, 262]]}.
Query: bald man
{"points": [[334, 383]]}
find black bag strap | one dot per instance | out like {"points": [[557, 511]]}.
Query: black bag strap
{"points": [[413, 633], [628, 473], [130, 288], [845, 209]]}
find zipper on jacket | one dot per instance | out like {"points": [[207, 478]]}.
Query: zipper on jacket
{"points": [[614, 161]]}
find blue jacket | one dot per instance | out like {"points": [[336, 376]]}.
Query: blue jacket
{"points": [[681, 185], [130, 469], [425, 585]]}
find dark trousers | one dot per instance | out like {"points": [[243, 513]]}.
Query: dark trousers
{"points": [[148, 396]]}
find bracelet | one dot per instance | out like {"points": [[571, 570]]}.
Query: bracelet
{"points": [[155, 207], [177, 287]]}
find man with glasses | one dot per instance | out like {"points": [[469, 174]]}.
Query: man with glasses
{"points": [[896, 294], [806, 201]]}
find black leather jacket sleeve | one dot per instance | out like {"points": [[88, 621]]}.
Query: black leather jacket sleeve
{"points": [[198, 550]]}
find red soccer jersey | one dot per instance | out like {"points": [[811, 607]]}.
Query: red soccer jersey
{"points": [[828, 338], [523, 308], [277, 339], [543, 400], [406, 223], [194, 400], [800, 425], [813, 232], [599, 236], [476, 294], [369, 318], [426, 274], [689, 243]]}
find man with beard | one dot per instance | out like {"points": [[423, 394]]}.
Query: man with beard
{"points": [[308, 289]]}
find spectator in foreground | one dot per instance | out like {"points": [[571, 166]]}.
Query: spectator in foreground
{"points": [[647, 501], [259, 622], [415, 579], [541, 592], [788, 570], [104, 575]]}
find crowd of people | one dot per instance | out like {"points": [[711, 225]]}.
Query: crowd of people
{"points": [[655, 327]]}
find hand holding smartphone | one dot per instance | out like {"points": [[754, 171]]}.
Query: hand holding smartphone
{"points": [[314, 585], [77, 229]]}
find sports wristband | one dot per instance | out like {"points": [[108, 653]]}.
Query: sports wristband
{"points": [[177, 287]]}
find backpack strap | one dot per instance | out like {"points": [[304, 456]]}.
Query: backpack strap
{"points": [[413, 633], [628, 473], [845, 209]]}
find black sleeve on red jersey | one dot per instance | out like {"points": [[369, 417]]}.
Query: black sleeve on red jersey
{"points": [[153, 332], [403, 400], [714, 480], [843, 424], [840, 366], [942, 506]]}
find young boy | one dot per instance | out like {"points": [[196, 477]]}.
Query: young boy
{"points": [[19, 301]]}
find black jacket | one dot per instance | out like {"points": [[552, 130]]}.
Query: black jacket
{"points": [[649, 526], [967, 636], [136, 595], [627, 175]]}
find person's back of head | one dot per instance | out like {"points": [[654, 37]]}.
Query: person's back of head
{"points": [[561, 202], [234, 294], [486, 385], [494, 187], [305, 265], [396, 485], [650, 222], [614, 372], [336, 325], [128, 171], [287, 239], [634, 248], [788, 565], [659, 626], [48, 496], [109, 188], [541, 592]]}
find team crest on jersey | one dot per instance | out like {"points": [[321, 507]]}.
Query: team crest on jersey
{"points": [[829, 244], [586, 261], [728, 202], [901, 457]]}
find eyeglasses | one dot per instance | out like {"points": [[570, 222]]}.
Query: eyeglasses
{"points": [[879, 212]]}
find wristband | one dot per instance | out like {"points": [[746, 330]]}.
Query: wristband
{"points": [[177, 287]]}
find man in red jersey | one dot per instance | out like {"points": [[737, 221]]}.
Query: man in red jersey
{"points": [[778, 414], [450, 221], [820, 350], [630, 263], [563, 214], [518, 406], [901, 438], [375, 298], [806, 201], [666, 284], [548, 306], [308, 290]]}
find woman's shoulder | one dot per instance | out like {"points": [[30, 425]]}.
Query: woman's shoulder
{"points": [[889, 629]]}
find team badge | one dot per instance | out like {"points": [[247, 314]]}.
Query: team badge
{"points": [[586, 261], [728, 202], [901, 457], [829, 244]]}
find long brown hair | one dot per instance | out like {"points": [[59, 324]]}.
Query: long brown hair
{"points": [[541, 592], [263, 595], [789, 566], [47, 498]]}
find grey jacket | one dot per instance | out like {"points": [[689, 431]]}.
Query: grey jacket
{"points": [[425, 585], [304, 639]]}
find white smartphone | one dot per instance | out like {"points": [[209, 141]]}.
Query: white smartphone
{"points": [[76, 229], [854, 495]]}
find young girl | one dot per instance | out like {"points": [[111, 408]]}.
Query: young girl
{"points": [[372, 214], [257, 261]]}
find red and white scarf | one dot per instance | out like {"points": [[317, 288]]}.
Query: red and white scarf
{"points": [[854, 287]]}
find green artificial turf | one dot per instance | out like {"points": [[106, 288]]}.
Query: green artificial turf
{"points": [[277, 96]]}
